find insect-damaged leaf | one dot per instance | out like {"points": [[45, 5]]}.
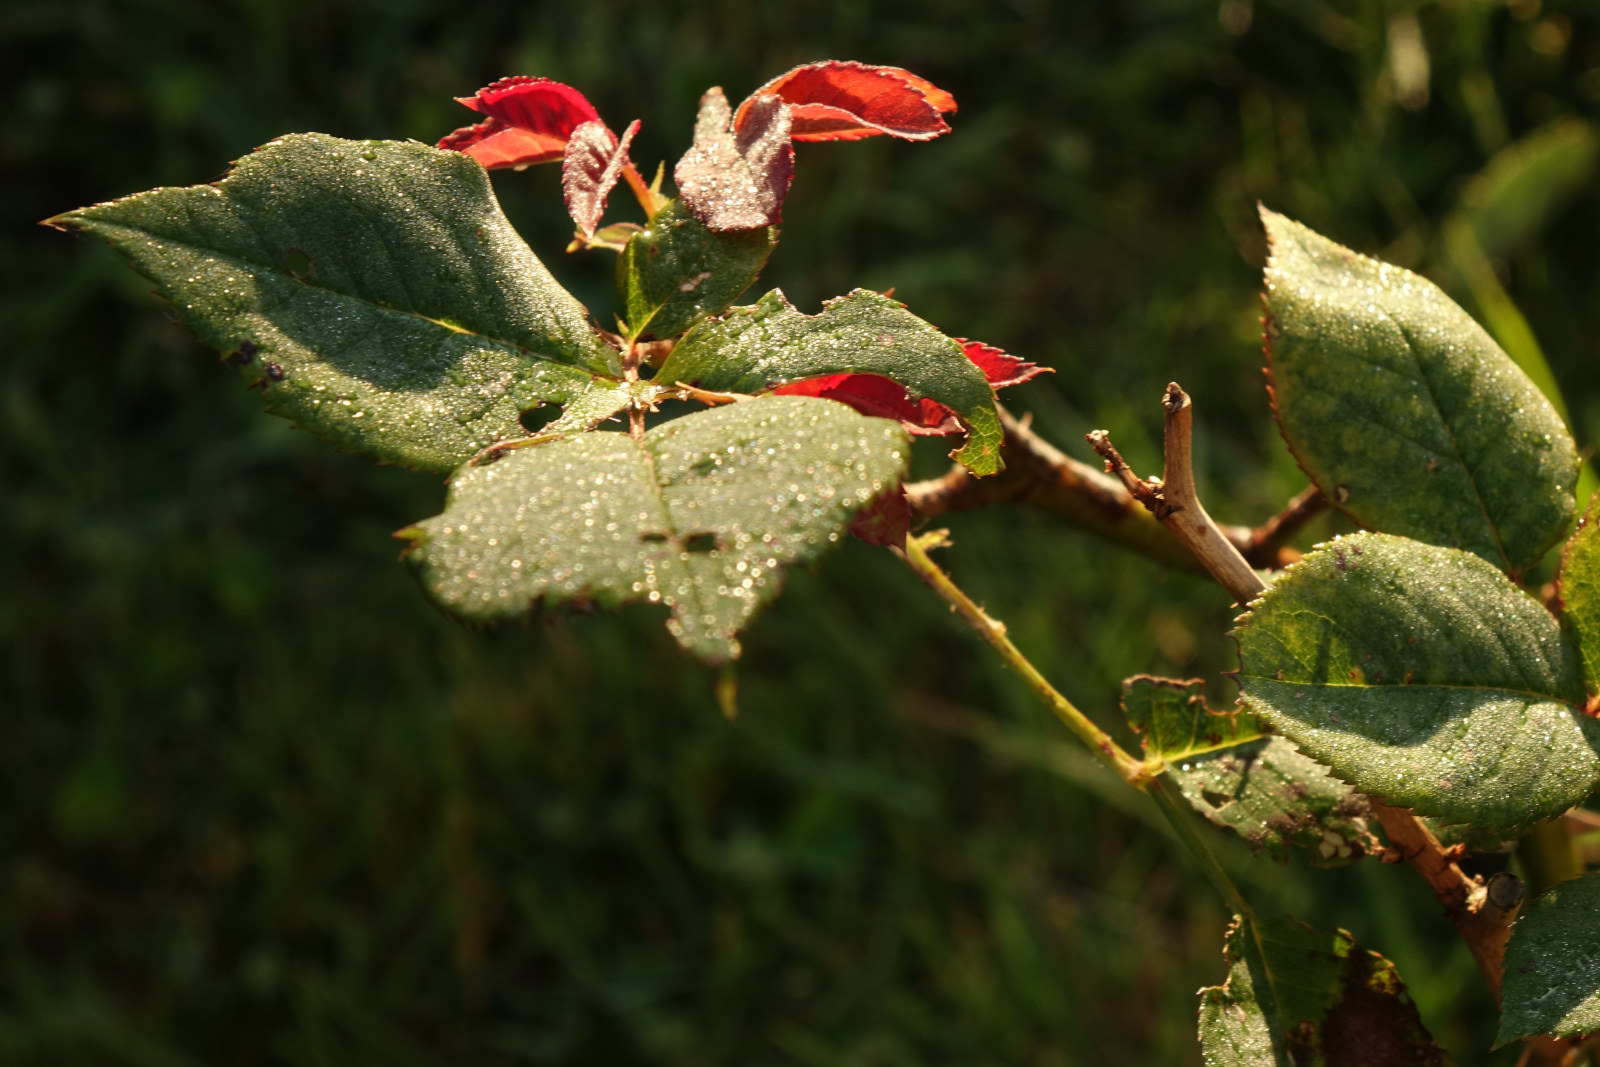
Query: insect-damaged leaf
{"points": [[676, 271], [1297, 998], [737, 179], [699, 515], [1552, 983], [1404, 411], [530, 121], [1580, 600], [768, 344], [590, 168], [1238, 776], [845, 101], [372, 289], [1422, 676]]}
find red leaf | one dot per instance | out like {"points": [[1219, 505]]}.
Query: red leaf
{"points": [[737, 180], [846, 101], [886, 520], [530, 121], [1001, 368], [593, 162], [880, 397]]}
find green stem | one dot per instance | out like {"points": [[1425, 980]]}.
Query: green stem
{"points": [[1137, 773], [1132, 771], [1183, 822], [1547, 856]]}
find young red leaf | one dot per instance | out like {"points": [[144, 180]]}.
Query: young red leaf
{"points": [[886, 520], [880, 397], [530, 121], [593, 162], [1001, 368], [737, 180], [846, 101]]}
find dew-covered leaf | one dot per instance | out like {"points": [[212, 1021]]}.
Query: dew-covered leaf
{"points": [[529, 121], [845, 101], [737, 179], [1422, 676], [770, 344], [1404, 411], [677, 271], [1237, 775], [1552, 983], [1297, 998], [372, 289], [590, 168], [700, 515], [1580, 600]]}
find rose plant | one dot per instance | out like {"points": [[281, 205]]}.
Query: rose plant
{"points": [[1402, 695]]}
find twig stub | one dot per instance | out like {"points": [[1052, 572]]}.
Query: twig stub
{"points": [[1176, 503]]}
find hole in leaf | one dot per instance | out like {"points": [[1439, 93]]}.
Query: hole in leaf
{"points": [[653, 538], [535, 419], [1215, 799], [298, 263], [700, 542]]}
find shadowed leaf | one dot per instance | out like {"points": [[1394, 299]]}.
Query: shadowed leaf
{"points": [[1552, 981], [676, 271], [1297, 998], [846, 101], [1236, 775], [1404, 411], [736, 180], [1422, 676], [700, 515], [769, 344], [885, 521], [373, 290]]}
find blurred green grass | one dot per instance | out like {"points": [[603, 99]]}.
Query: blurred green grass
{"points": [[261, 805]]}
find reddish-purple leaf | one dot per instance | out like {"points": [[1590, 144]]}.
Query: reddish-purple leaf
{"points": [[885, 398], [591, 167], [530, 120], [737, 180], [1001, 368], [885, 521], [846, 101], [880, 397]]}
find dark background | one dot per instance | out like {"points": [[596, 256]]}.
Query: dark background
{"points": [[259, 804]]}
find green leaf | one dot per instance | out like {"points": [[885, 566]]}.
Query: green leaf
{"points": [[769, 344], [1237, 776], [1552, 983], [1580, 601], [676, 271], [374, 291], [1297, 998], [1404, 411], [699, 515], [1422, 676]]}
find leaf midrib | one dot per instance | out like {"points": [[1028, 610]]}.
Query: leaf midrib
{"points": [[1455, 446]]}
